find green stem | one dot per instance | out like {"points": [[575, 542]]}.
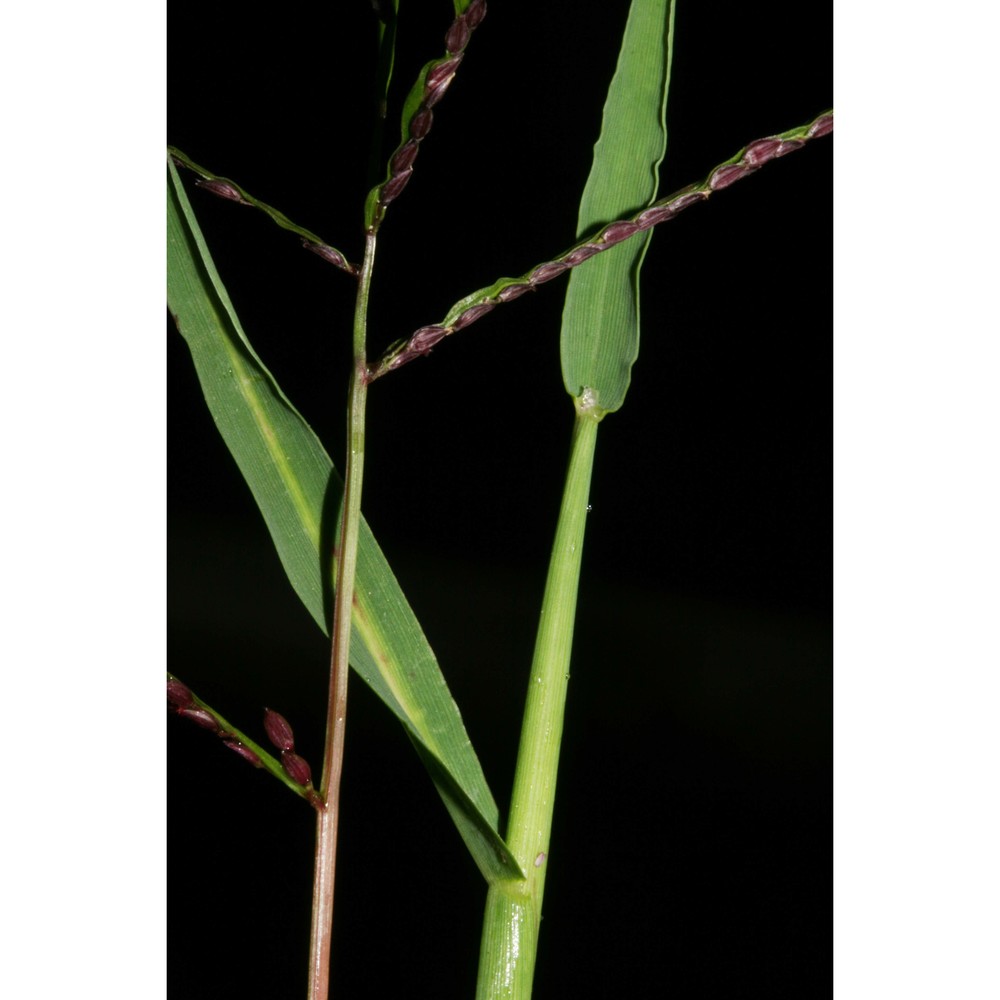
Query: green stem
{"points": [[514, 908], [333, 755]]}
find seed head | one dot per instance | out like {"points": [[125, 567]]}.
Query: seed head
{"points": [[475, 14], [512, 292], [296, 768], [471, 315], [581, 254], [439, 79], [393, 188], [426, 337], [433, 96], [442, 72], [820, 127], [279, 732], [619, 231], [200, 717], [790, 145], [420, 123], [458, 35], [686, 200], [652, 216], [729, 174], [223, 190], [546, 272], [334, 257], [178, 694], [761, 151], [404, 156], [245, 752]]}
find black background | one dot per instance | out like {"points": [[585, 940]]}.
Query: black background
{"points": [[692, 838]]}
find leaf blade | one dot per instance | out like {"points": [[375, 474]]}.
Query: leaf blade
{"points": [[600, 330], [298, 491]]}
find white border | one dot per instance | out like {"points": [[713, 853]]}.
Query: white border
{"points": [[83, 412], [917, 503]]}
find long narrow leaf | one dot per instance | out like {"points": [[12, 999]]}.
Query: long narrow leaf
{"points": [[298, 491]]}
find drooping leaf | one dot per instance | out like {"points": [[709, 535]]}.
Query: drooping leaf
{"points": [[298, 491]]}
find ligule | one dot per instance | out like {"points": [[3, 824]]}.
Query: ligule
{"points": [[434, 81], [465, 312]]}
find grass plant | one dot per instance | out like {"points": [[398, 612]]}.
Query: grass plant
{"points": [[314, 517]]}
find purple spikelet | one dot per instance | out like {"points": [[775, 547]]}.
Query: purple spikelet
{"points": [[618, 231], [436, 83], [201, 717], [475, 13], [471, 315], [296, 768], [330, 255], [729, 174], [421, 122], [426, 337], [178, 694], [279, 732], [822, 126], [223, 189], [546, 272], [512, 292], [244, 751], [458, 35]]}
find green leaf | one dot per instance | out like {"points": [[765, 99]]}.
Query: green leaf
{"points": [[600, 330], [298, 492]]}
